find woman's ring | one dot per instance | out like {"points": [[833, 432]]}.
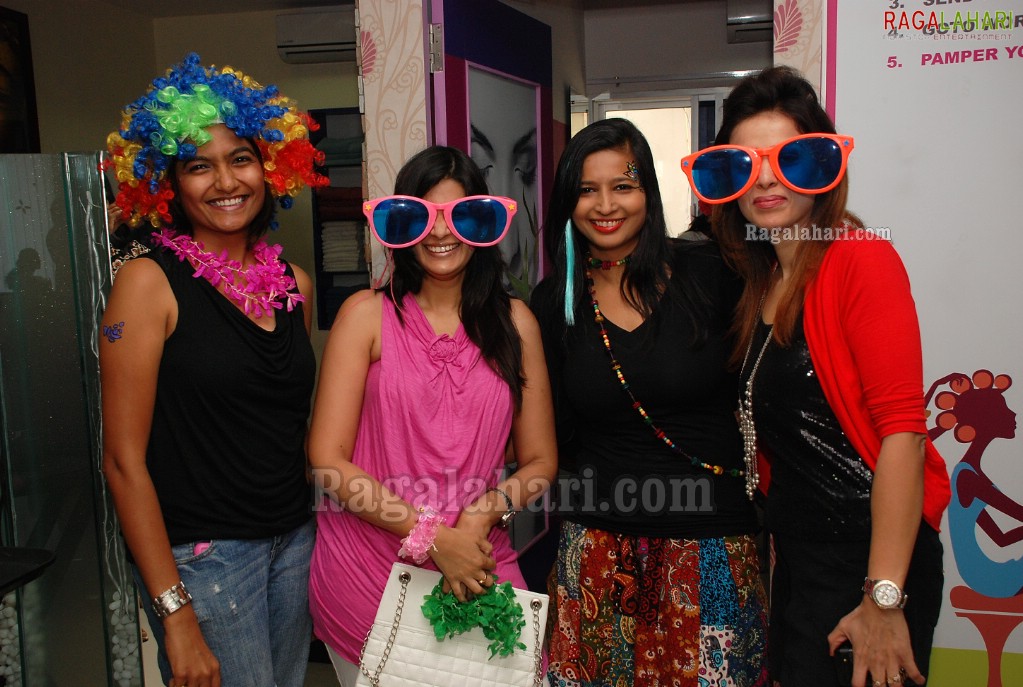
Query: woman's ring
{"points": [[895, 680], [483, 580], [878, 683]]}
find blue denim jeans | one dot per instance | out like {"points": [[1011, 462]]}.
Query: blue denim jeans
{"points": [[252, 601]]}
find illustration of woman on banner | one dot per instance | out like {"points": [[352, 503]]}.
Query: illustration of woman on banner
{"points": [[976, 412]]}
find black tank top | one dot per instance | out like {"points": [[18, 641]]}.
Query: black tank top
{"points": [[820, 486], [226, 451]]}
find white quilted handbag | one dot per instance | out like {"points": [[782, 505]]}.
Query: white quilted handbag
{"points": [[401, 649]]}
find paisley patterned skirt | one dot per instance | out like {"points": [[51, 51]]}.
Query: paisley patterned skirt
{"points": [[651, 612]]}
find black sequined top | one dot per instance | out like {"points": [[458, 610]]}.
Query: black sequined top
{"points": [[820, 486]]}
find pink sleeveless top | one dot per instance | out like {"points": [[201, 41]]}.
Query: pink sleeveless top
{"points": [[435, 421]]}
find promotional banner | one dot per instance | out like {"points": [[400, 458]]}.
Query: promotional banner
{"points": [[932, 92]]}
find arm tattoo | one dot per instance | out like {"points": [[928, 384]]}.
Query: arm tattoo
{"points": [[114, 331]]}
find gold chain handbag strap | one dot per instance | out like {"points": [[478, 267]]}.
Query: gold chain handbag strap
{"points": [[374, 678], [404, 578]]}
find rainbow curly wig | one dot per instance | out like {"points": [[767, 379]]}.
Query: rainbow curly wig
{"points": [[169, 123]]}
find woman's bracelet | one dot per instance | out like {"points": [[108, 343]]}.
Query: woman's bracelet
{"points": [[507, 499], [416, 546], [175, 598]]}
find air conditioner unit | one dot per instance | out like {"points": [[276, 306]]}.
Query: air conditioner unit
{"points": [[750, 21], [318, 35]]}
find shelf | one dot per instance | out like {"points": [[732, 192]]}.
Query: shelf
{"points": [[339, 228]]}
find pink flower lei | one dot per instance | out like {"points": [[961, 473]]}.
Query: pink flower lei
{"points": [[263, 283]]}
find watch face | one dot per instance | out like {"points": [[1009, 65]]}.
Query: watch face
{"points": [[886, 594]]}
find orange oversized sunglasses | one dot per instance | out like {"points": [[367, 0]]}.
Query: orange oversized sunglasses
{"points": [[808, 163]]}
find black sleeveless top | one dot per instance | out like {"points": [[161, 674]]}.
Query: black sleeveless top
{"points": [[820, 486], [621, 477], [226, 451]]}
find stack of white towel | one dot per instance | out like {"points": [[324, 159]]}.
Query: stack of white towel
{"points": [[343, 246]]}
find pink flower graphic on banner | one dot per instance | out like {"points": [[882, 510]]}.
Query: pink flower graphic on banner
{"points": [[788, 23], [369, 53]]}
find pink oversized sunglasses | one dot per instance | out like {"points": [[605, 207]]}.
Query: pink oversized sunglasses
{"points": [[402, 221]]}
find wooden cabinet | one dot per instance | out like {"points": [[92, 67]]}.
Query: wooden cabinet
{"points": [[339, 228]]}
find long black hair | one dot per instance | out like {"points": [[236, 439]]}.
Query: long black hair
{"points": [[485, 309], [646, 277]]}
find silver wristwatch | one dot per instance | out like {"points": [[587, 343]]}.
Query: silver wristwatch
{"points": [[507, 517], [509, 514], [171, 600], [885, 593]]}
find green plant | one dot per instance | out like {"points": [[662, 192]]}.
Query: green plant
{"points": [[522, 283]]}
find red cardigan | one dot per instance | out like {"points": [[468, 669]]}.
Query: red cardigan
{"points": [[864, 339]]}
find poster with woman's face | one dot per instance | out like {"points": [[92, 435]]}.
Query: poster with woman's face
{"points": [[502, 114]]}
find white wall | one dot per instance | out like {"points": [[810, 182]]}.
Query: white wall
{"points": [[643, 45], [640, 45], [248, 41]]}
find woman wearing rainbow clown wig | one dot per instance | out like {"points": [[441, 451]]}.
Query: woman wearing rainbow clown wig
{"points": [[830, 391], [207, 373], [423, 383]]}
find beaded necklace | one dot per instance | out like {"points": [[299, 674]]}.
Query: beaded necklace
{"points": [[262, 283], [616, 367], [607, 264]]}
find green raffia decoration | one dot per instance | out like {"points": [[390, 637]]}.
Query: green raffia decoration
{"points": [[496, 611]]}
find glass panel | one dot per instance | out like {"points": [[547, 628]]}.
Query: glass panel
{"points": [[77, 623]]}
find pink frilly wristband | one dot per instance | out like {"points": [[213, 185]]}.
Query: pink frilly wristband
{"points": [[416, 546]]}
